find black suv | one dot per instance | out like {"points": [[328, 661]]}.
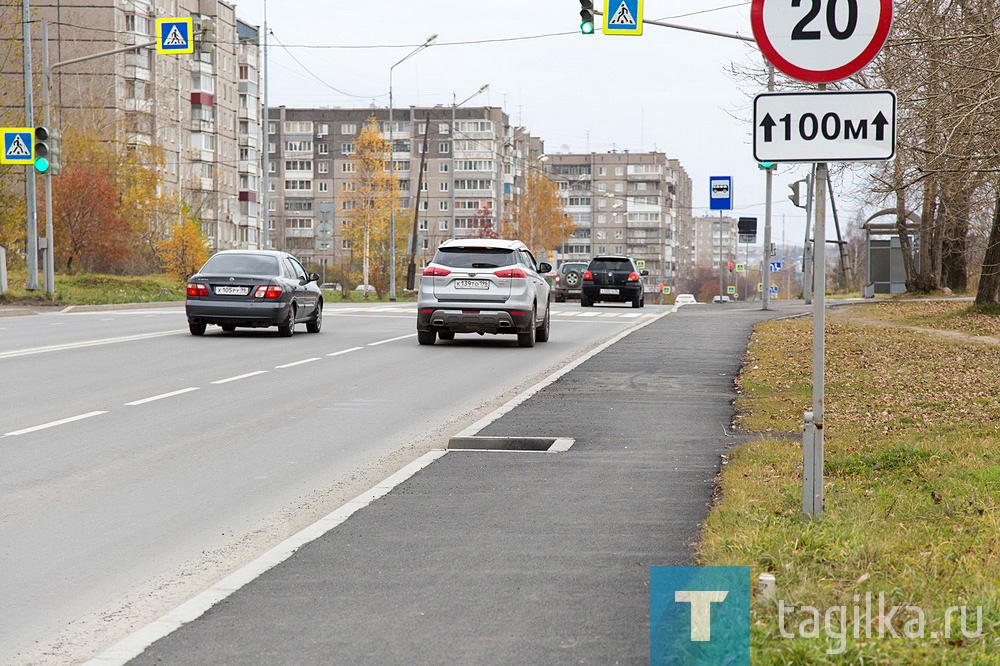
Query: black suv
{"points": [[612, 278], [569, 280]]}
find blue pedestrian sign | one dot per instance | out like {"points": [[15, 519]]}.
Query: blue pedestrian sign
{"points": [[622, 17], [774, 290], [720, 195], [174, 35], [18, 145], [775, 266]]}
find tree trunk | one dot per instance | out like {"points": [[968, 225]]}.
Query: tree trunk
{"points": [[929, 249], [989, 281], [909, 266]]}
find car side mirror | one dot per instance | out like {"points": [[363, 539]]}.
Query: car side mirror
{"points": [[313, 277], [644, 273], [544, 267]]}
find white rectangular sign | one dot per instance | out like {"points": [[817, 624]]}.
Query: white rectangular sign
{"points": [[842, 126]]}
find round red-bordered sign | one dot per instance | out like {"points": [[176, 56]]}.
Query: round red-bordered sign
{"points": [[820, 41]]}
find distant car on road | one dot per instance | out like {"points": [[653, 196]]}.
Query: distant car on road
{"points": [[253, 288], [569, 280], [613, 278], [685, 299], [720, 299], [482, 285]]}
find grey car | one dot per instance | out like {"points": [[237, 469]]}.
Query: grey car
{"points": [[482, 285], [569, 280], [253, 288]]}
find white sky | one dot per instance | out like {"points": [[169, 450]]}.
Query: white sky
{"points": [[667, 90]]}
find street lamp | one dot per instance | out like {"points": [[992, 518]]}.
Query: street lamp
{"points": [[392, 172], [453, 107]]}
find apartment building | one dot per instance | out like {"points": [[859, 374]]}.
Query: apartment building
{"points": [[624, 203], [460, 171], [713, 239], [201, 109]]}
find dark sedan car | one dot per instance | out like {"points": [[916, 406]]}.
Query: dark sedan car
{"points": [[255, 288], [613, 279]]}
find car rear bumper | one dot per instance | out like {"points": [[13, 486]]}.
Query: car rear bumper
{"points": [[237, 313], [625, 292], [473, 320]]}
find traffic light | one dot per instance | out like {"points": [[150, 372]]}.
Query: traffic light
{"points": [[587, 17], [43, 138], [797, 197], [207, 31], [55, 151], [767, 166], [730, 267]]}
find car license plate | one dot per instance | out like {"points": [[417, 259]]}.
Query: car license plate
{"points": [[232, 291], [472, 284], [613, 292]]}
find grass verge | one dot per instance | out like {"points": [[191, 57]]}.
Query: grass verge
{"points": [[94, 289], [912, 489]]}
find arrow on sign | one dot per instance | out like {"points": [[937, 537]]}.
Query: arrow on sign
{"points": [[880, 123], [768, 124]]}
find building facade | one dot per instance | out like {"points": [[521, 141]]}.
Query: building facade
{"points": [[713, 241], [460, 171], [627, 204], [201, 109]]}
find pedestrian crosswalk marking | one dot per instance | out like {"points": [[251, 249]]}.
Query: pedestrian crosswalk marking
{"points": [[622, 17]]}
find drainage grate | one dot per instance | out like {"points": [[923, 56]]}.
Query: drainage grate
{"points": [[550, 444]]}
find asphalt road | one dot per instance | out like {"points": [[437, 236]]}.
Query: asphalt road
{"points": [[138, 463]]}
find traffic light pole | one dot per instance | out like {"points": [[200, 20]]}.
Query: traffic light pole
{"points": [[50, 257], [765, 297], [29, 176]]}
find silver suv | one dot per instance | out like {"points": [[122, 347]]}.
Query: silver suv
{"points": [[483, 285]]}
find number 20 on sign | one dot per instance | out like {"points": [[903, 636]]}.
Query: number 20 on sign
{"points": [[820, 41]]}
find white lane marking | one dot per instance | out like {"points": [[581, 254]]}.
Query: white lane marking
{"points": [[294, 363], [52, 424], [133, 645], [345, 351], [161, 396], [590, 314], [89, 343], [243, 376], [632, 315], [382, 342]]}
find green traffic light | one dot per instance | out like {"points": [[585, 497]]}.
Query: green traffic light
{"points": [[766, 166], [42, 165], [587, 27]]}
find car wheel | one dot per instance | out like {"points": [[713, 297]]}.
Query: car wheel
{"points": [[287, 329], [527, 339], [228, 328], [637, 302], [316, 323], [585, 302], [426, 337], [447, 335], [560, 299], [197, 327], [573, 279], [543, 333]]}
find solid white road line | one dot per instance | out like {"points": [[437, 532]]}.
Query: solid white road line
{"points": [[91, 343], [294, 363], [54, 423], [244, 376], [161, 396]]}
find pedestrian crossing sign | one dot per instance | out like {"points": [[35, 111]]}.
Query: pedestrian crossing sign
{"points": [[18, 145], [173, 35], [622, 17]]}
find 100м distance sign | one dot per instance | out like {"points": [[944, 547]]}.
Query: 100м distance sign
{"points": [[845, 126]]}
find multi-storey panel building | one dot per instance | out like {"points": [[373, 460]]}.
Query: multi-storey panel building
{"points": [[713, 241], [201, 109], [459, 169], [624, 203]]}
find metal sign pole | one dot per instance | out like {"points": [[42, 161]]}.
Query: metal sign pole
{"points": [[812, 440]]}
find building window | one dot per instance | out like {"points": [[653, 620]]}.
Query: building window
{"points": [[348, 167], [443, 186], [348, 128], [443, 225], [323, 167], [444, 147], [324, 186], [347, 148], [300, 185], [442, 205], [345, 244], [443, 167], [298, 127], [422, 225]]}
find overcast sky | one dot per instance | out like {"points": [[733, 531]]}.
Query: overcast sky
{"points": [[667, 90]]}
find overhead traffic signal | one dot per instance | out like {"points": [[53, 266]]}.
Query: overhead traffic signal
{"points": [[587, 17], [799, 191], [55, 151], [767, 166], [43, 150]]}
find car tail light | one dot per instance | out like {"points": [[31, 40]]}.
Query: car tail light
{"points": [[587, 275], [197, 289], [510, 273], [270, 291], [435, 271], [633, 277], [557, 280]]}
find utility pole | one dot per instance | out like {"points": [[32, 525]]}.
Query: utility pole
{"points": [[29, 176], [50, 275], [411, 268]]}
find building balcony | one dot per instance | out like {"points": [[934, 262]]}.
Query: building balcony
{"points": [[137, 105]]}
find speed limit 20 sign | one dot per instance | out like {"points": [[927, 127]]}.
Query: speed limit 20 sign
{"points": [[820, 41]]}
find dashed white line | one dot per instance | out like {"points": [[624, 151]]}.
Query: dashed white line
{"points": [[345, 351], [382, 342], [244, 376], [294, 363], [161, 396], [52, 424]]}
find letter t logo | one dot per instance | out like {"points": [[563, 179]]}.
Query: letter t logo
{"points": [[701, 610]]}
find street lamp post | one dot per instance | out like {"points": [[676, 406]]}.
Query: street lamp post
{"points": [[392, 172], [453, 107]]}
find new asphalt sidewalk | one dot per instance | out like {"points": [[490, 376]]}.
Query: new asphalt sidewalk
{"points": [[505, 557]]}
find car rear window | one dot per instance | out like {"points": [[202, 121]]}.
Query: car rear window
{"points": [[610, 265], [242, 264], [475, 257]]}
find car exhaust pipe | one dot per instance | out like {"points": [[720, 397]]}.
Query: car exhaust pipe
{"points": [[438, 322]]}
